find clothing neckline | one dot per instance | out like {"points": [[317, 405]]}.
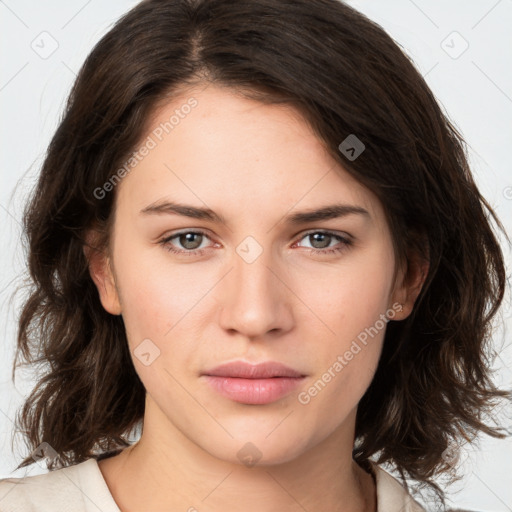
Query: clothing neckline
{"points": [[386, 485]]}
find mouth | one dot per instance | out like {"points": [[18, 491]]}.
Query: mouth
{"points": [[258, 384]]}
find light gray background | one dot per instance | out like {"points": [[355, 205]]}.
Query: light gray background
{"points": [[474, 87]]}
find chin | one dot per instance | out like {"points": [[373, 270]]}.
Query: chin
{"points": [[256, 449]]}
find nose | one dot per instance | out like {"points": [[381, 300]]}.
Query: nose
{"points": [[255, 299]]}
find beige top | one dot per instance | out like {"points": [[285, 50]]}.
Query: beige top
{"points": [[82, 488]]}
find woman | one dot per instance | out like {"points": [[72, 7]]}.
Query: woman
{"points": [[255, 238]]}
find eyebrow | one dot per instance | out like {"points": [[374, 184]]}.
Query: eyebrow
{"points": [[332, 211]]}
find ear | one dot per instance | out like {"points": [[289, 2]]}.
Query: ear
{"points": [[409, 283], [100, 269]]}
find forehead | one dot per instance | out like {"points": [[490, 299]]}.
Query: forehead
{"points": [[210, 145]]}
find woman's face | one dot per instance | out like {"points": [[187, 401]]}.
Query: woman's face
{"points": [[244, 270]]}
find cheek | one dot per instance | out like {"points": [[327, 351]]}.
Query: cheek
{"points": [[155, 292], [352, 296], [346, 359], [160, 303], [160, 320], [347, 343]]}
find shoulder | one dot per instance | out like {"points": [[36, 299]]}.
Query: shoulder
{"points": [[74, 488], [40, 492], [391, 495]]}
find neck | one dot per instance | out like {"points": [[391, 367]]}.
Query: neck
{"points": [[165, 470]]}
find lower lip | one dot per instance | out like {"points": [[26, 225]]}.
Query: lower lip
{"points": [[254, 391]]}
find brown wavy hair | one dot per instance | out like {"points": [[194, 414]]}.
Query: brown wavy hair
{"points": [[346, 75]]}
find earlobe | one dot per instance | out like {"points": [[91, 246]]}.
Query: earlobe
{"points": [[101, 273]]}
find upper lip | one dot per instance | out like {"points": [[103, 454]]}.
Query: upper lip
{"points": [[242, 369]]}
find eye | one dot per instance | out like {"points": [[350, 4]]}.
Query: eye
{"points": [[321, 242], [191, 242]]}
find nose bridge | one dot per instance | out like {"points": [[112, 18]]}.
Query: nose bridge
{"points": [[255, 298]]}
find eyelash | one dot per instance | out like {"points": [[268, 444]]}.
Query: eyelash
{"points": [[345, 243]]}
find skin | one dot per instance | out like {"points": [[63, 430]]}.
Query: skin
{"points": [[253, 164]]}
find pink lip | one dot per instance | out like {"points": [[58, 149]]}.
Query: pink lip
{"points": [[253, 384]]}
